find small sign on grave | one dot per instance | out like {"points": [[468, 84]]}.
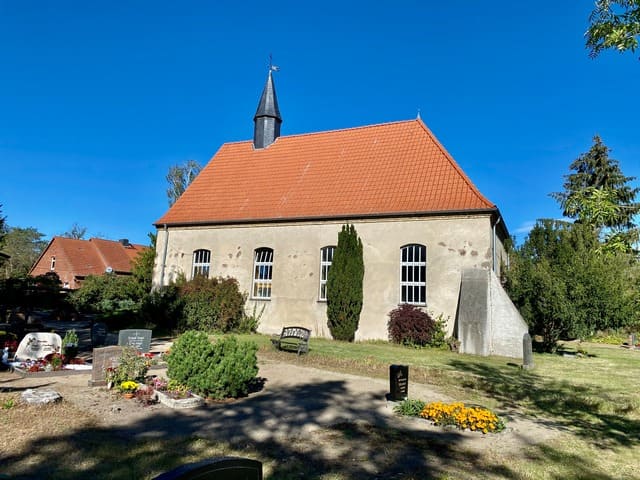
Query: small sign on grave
{"points": [[140, 339], [98, 334], [103, 358], [35, 346], [399, 382]]}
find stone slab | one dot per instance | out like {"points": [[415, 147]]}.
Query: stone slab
{"points": [[103, 358], [40, 396]]}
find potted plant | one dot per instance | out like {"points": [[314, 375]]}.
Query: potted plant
{"points": [[128, 388], [70, 344]]}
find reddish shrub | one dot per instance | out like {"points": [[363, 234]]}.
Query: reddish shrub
{"points": [[408, 325]]}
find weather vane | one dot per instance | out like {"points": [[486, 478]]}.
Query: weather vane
{"points": [[272, 67]]}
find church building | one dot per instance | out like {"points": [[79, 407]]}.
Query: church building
{"points": [[268, 212]]}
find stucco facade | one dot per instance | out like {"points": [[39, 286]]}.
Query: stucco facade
{"points": [[453, 243]]}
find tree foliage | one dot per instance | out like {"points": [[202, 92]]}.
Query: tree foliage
{"points": [[180, 177], [344, 285], [142, 266], [614, 24], [597, 193], [24, 246], [77, 231], [563, 288]]}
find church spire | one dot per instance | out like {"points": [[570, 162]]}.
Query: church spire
{"points": [[267, 119]]}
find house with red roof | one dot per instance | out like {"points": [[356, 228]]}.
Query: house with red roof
{"points": [[268, 212], [73, 259]]}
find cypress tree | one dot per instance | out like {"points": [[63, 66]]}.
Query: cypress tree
{"points": [[344, 285]]}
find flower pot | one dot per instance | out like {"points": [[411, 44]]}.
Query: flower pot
{"points": [[128, 395]]}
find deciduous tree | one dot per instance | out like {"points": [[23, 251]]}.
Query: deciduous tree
{"points": [[24, 246], [614, 24], [180, 177]]}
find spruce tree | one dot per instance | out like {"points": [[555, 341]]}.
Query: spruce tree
{"points": [[344, 285]]}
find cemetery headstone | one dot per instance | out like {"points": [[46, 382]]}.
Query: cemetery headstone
{"points": [[527, 352], [399, 382], [632, 341], [103, 358], [37, 345], [139, 339], [225, 468], [98, 334]]}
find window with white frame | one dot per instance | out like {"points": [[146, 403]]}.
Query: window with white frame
{"points": [[53, 263], [262, 273], [201, 263], [413, 274], [326, 258]]}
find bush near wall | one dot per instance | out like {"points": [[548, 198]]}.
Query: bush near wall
{"points": [[409, 325], [211, 304], [219, 370]]}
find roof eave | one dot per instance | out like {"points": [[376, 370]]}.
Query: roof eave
{"points": [[245, 221]]}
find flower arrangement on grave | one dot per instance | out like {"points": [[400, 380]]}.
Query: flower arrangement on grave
{"points": [[171, 388], [70, 343], [128, 386], [473, 418], [131, 365]]}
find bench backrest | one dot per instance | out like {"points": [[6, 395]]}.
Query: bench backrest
{"points": [[296, 332]]}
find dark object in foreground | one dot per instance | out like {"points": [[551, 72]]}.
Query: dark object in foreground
{"points": [[398, 382], [292, 338], [222, 468]]}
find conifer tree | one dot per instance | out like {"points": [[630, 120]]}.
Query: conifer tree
{"points": [[344, 285]]}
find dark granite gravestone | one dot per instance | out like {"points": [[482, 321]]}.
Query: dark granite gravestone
{"points": [[398, 382], [139, 339], [527, 352], [98, 334], [226, 468], [103, 358]]}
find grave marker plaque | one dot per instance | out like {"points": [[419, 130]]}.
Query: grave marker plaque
{"points": [[98, 334], [103, 358], [37, 345], [139, 339], [399, 382]]}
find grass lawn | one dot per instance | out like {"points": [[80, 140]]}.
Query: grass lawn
{"points": [[594, 401]]}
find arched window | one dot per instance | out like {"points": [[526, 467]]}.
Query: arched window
{"points": [[413, 274], [326, 258], [201, 263], [262, 273]]}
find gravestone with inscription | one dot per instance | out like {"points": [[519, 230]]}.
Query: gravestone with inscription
{"points": [[225, 468], [103, 358], [37, 345], [398, 382], [139, 339], [98, 334]]}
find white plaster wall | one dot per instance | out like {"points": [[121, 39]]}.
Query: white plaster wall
{"points": [[507, 325], [453, 243]]}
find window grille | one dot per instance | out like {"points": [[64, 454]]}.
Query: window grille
{"points": [[201, 263], [413, 274], [326, 258], [262, 273]]}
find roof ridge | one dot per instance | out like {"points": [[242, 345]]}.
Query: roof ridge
{"points": [[322, 132]]}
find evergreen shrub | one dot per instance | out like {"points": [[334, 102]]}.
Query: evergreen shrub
{"points": [[409, 325], [222, 369]]}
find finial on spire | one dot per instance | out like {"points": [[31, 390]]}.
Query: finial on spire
{"points": [[418, 117], [272, 67]]}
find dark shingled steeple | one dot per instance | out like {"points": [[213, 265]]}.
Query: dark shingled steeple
{"points": [[267, 118]]}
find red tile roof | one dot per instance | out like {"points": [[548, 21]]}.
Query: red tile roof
{"points": [[87, 257], [395, 168]]}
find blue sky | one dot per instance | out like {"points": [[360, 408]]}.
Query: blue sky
{"points": [[99, 99]]}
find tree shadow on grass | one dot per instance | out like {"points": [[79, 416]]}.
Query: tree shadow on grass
{"points": [[309, 431], [577, 408]]}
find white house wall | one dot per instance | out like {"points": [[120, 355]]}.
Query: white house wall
{"points": [[452, 243]]}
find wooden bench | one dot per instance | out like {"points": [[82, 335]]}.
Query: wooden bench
{"points": [[293, 339]]}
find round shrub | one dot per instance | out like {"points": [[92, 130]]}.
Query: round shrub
{"points": [[408, 325], [222, 369], [212, 304]]}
